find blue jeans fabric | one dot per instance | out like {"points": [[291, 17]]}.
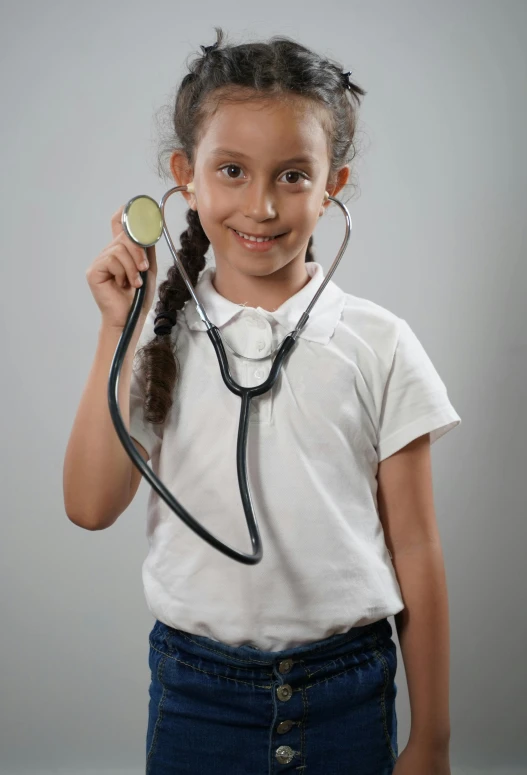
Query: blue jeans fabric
{"points": [[324, 708]]}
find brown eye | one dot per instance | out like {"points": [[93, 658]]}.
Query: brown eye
{"points": [[231, 167], [302, 175]]}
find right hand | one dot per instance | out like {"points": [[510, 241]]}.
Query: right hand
{"points": [[113, 276]]}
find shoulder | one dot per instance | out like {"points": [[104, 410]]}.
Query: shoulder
{"points": [[375, 328], [365, 312], [386, 344]]}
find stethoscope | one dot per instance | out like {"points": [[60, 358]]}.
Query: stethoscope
{"points": [[144, 222]]}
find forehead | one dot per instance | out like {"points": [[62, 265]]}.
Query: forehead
{"points": [[274, 128]]}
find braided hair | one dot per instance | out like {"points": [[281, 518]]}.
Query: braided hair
{"points": [[273, 68]]}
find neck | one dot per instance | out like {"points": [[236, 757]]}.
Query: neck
{"points": [[267, 291]]}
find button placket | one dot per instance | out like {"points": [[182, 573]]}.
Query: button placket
{"points": [[289, 709], [262, 404], [260, 344]]}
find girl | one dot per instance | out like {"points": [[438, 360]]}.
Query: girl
{"points": [[287, 665]]}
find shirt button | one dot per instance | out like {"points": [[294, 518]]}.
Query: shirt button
{"points": [[260, 344], [259, 373], [285, 666], [284, 692], [284, 754], [284, 726], [261, 324]]}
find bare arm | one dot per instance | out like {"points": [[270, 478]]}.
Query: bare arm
{"points": [[407, 513], [99, 479]]}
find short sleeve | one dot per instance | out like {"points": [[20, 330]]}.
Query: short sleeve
{"points": [[144, 432], [415, 399]]}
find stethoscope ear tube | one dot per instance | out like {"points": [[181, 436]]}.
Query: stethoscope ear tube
{"points": [[138, 460], [143, 226]]}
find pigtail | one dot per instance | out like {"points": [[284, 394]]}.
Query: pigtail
{"points": [[158, 359]]}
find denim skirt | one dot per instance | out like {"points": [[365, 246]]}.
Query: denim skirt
{"points": [[324, 708]]}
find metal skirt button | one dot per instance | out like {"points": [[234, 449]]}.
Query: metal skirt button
{"points": [[285, 665], [284, 692], [284, 726], [284, 754]]}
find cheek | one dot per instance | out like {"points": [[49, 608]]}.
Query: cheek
{"points": [[212, 215], [210, 203], [307, 217]]}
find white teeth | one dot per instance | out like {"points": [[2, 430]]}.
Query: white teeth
{"points": [[253, 239]]}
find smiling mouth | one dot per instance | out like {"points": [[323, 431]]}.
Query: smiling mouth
{"points": [[255, 238]]}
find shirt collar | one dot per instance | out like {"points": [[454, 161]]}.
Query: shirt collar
{"points": [[321, 323]]}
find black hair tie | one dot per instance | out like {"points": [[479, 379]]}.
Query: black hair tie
{"points": [[207, 49], [345, 80], [164, 328]]}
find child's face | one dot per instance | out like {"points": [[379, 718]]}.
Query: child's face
{"points": [[261, 193]]}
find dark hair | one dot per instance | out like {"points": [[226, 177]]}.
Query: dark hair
{"points": [[258, 70]]}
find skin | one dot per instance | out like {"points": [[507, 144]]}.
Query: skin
{"points": [[260, 194]]}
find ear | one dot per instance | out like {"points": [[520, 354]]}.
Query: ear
{"points": [[341, 180], [183, 174]]}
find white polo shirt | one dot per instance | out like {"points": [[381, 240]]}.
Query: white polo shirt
{"points": [[356, 387]]}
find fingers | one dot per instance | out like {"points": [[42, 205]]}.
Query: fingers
{"points": [[117, 225], [123, 265]]}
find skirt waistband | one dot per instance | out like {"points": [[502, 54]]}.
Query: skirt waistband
{"points": [[356, 638]]}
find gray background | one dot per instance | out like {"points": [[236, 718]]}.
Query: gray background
{"points": [[438, 237]]}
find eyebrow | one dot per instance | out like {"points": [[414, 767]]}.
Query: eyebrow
{"points": [[301, 159]]}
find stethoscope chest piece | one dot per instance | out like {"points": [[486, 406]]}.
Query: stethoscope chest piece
{"points": [[143, 220]]}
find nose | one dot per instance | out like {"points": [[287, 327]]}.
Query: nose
{"points": [[258, 202]]}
